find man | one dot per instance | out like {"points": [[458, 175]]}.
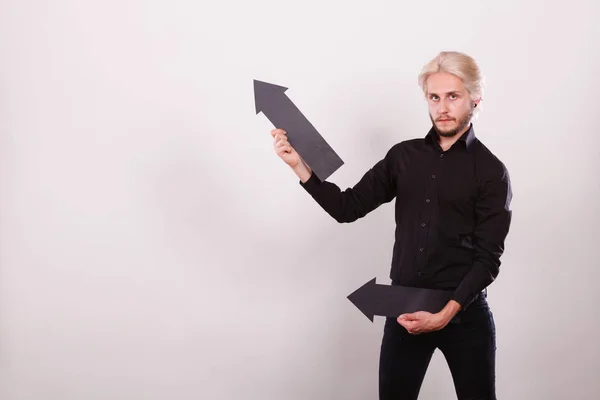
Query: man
{"points": [[452, 214]]}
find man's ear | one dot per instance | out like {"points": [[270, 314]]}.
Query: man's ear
{"points": [[476, 102]]}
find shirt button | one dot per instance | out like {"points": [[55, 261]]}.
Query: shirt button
{"points": [[421, 249], [419, 273], [423, 224], [433, 176], [441, 156], [427, 200]]}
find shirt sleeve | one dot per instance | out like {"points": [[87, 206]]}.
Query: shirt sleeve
{"points": [[493, 215], [376, 187]]}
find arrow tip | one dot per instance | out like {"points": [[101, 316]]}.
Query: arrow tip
{"points": [[266, 93], [360, 298]]}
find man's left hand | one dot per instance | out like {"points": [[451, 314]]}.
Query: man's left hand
{"points": [[422, 322]]}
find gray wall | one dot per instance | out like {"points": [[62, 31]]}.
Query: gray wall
{"points": [[155, 247]]}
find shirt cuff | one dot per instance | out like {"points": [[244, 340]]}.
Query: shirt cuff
{"points": [[311, 184], [464, 298]]}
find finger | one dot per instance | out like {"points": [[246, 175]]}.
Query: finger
{"points": [[414, 326], [407, 317], [408, 325], [281, 140], [280, 137], [277, 131], [284, 145], [283, 149]]}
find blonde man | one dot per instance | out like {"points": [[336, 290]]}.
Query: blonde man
{"points": [[452, 214]]}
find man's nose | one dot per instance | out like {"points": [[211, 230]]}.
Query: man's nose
{"points": [[442, 108]]}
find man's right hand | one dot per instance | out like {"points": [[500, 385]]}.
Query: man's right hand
{"points": [[284, 149], [286, 152]]}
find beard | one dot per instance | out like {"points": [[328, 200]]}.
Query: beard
{"points": [[463, 122]]}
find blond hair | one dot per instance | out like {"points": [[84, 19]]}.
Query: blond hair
{"points": [[458, 64]]}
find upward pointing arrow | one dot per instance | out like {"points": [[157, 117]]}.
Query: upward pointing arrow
{"points": [[272, 101]]}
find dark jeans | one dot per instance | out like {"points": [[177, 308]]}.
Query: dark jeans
{"points": [[468, 345]]}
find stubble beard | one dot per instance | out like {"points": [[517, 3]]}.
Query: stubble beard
{"points": [[463, 122]]}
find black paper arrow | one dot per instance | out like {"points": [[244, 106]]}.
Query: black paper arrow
{"points": [[271, 100], [391, 301]]}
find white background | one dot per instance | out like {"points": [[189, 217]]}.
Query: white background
{"points": [[154, 247]]}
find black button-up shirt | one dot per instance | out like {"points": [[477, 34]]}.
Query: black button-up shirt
{"points": [[452, 211]]}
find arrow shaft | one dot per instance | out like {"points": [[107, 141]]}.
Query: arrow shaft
{"points": [[285, 113], [395, 300], [303, 136]]}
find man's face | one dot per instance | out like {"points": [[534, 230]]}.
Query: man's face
{"points": [[450, 105]]}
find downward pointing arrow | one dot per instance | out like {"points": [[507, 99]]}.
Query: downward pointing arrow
{"points": [[391, 301], [272, 101]]}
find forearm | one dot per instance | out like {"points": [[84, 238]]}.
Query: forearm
{"points": [[343, 206], [493, 223], [483, 272], [303, 171], [377, 186], [449, 311]]}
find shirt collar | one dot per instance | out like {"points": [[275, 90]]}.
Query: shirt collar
{"points": [[467, 138]]}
